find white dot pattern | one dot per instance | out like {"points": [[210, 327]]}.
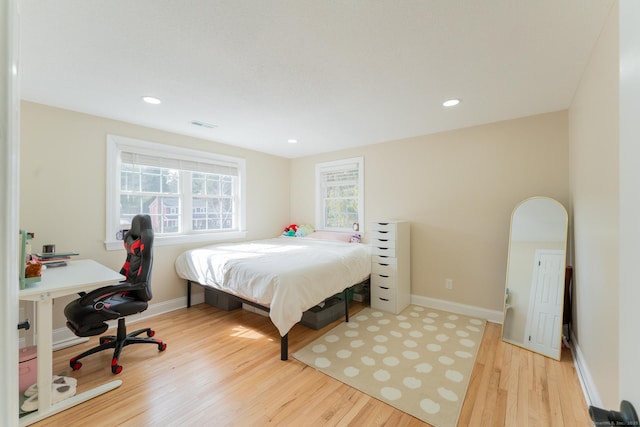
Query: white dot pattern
{"points": [[419, 361]]}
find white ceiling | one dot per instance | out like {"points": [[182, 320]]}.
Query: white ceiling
{"points": [[331, 74]]}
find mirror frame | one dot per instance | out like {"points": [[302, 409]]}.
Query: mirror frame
{"points": [[507, 307]]}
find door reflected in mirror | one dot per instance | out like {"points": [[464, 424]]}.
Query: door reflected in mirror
{"points": [[535, 276]]}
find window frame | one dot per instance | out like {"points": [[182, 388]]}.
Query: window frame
{"points": [[117, 144], [320, 207]]}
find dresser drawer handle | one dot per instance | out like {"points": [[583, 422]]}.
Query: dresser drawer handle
{"points": [[384, 287], [384, 299], [383, 275], [383, 249], [383, 264]]}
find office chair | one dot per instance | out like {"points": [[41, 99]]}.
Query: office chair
{"points": [[87, 315]]}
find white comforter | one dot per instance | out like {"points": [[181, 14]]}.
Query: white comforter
{"points": [[287, 274]]}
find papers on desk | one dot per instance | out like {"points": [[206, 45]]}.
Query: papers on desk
{"points": [[53, 259]]}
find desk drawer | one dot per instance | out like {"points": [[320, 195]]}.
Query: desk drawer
{"points": [[383, 301], [384, 242], [383, 281], [383, 251], [385, 227], [386, 260], [384, 269]]}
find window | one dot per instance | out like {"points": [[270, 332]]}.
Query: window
{"points": [[190, 195], [340, 194]]}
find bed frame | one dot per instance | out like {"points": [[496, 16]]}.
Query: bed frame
{"points": [[284, 340]]}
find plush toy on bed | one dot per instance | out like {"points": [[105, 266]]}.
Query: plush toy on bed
{"points": [[290, 230], [304, 230]]}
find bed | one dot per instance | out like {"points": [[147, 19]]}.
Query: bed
{"points": [[285, 275]]}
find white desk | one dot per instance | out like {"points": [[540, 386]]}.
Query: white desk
{"points": [[78, 276]]}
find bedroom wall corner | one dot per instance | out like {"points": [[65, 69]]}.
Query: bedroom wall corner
{"points": [[63, 189], [458, 190]]}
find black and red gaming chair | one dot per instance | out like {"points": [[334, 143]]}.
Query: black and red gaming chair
{"points": [[87, 315]]}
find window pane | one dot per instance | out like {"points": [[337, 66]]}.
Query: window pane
{"points": [[170, 181], [213, 185], [130, 178], [150, 179], [212, 213], [226, 186], [340, 187], [167, 212], [130, 206], [198, 182], [341, 213]]}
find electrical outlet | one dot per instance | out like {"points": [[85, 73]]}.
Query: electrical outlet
{"points": [[448, 283]]}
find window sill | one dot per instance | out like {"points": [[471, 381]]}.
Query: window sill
{"points": [[113, 245]]}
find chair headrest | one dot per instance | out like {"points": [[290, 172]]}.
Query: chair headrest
{"points": [[140, 223]]}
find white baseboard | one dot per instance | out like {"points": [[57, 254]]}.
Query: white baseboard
{"points": [[494, 316], [586, 380], [63, 337]]}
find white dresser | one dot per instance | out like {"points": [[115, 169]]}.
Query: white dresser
{"points": [[391, 265]]}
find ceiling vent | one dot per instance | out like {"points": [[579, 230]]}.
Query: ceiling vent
{"points": [[203, 124]]}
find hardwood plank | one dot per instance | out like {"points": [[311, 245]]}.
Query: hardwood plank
{"points": [[224, 368]]}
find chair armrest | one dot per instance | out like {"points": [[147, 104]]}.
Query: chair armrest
{"points": [[108, 291]]}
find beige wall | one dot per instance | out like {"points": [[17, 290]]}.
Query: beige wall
{"points": [[593, 136], [63, 184], [458, 190]]}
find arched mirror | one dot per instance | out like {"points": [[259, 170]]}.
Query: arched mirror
{"points": [[535, 276]]}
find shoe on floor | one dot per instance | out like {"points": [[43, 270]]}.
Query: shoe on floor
{"points": [[59, 392], [57, 379]]}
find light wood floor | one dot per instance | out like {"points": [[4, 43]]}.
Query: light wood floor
{"points": [[224, 369]]}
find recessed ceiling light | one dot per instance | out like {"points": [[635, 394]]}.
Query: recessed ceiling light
{"points": [[451, 103], [151, 100], [292, 141]]}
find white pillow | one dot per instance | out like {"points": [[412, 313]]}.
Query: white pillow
{"points": [[331, 235]]}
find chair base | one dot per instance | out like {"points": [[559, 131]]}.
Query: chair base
{"points": [[118, 342]]}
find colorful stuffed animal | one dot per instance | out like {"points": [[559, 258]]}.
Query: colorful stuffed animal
{"points": [[304, 230], [290, 230]]}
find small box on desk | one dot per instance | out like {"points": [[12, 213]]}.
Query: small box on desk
{"points": [[221, 300]]}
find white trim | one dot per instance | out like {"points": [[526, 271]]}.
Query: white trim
{"points": [[114, 245], [63, 337], [494, 316], [10, 200], [319, 208], [116, 144], [589, 388]]}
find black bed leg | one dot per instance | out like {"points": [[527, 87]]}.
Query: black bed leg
{"points": [[284, 347], [346, 305], [188, 293]]}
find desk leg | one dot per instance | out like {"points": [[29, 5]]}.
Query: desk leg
{"points": [[44, 324], [44, 328]]}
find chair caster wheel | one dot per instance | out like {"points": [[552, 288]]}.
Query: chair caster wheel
{"points": [[75, 365], [116, 369], [162, 347], [150, 333]]}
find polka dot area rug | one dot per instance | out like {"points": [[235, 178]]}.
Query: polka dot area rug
{"points": [[419, 361]]}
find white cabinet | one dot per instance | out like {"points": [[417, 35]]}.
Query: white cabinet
{"points": [[390, 268]]}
